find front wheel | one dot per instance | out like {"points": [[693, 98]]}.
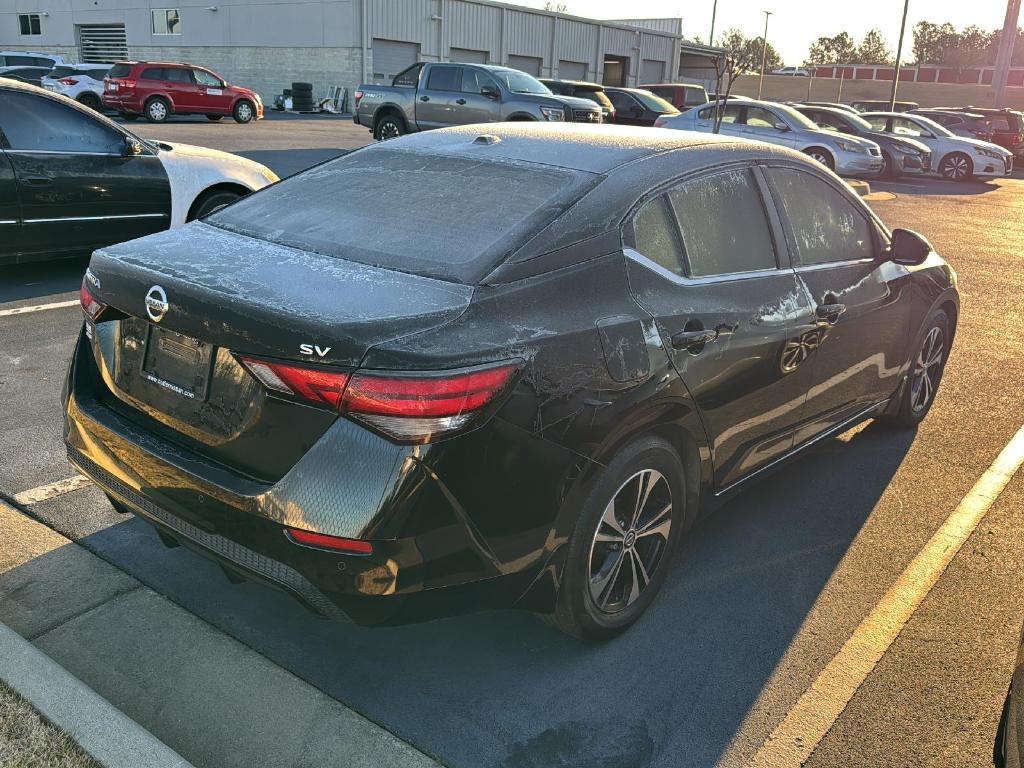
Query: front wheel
{"points": [[619, 552], [212, 201], [822, 156], [388, 127], [244, 112], [926, 371], [888, 168], [956, 166]]}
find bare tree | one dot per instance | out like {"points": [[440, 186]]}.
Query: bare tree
{"points": [[741, 55]]}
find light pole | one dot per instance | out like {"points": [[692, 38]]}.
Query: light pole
{"points": [[899, 53], [1005, 54], [764, 53], [714, 12]]}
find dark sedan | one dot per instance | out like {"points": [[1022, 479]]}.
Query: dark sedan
{"points": [[635, 106], [518, 390], [901, 156]]}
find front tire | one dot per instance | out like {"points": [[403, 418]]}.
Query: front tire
{"points": [[888, 167], [388, 127], [619, 552], [212, 201], [926, 371], [157, 110], [822, 156], [244, 112], [956, 166]]}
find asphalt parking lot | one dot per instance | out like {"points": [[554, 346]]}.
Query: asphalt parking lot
{"points": [[763, 595]]}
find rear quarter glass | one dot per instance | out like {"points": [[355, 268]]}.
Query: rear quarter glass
{"points": [[437, 215]]}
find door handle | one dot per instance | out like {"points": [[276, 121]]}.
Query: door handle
{"points": [[424, 98], [830, 312], [460, 101], [37, 181], [687, 339]]}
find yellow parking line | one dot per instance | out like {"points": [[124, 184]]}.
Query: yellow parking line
{"points": [[38, 308], [44, 492], [817, 710]]}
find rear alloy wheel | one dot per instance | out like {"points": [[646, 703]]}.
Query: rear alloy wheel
{"points": [[821, 156], [214, 118], [244, 112], [157, 110], [389, 127], [926, 370], [956, 167], [91, 100], [625, 534]]}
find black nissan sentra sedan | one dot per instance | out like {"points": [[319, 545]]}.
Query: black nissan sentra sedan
{"points": [[500, 366]]}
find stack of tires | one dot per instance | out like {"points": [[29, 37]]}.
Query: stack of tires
{"points": [[302, 97]]}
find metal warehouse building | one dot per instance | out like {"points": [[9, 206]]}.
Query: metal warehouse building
{"points": [[267, 45]]}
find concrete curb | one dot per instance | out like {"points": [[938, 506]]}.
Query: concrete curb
{"points": [[862, 188], [112, 738]]}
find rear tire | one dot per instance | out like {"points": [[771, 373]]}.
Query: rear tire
{"points": [[157, 110], [212, 201], [618, 555], [91, 100], [388, 126], [128, 116], [244, 111], [822, 156], [926, 369], [214, 118]]}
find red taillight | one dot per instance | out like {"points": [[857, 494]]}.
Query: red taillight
{"points": [[90, 304], [126, 83], [409, 408], [659, 123], [313, 384], [323, 541], [358, 96], [68, 81]]}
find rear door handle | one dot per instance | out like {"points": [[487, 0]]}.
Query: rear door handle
{"points": [[687, 339], [424, 98], [460, 101], [830, 312], [37, 181]]}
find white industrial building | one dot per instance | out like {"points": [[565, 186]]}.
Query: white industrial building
{"points": [[268, 44]]}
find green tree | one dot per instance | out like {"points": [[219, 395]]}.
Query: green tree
{"points": [[968, 49], [556, 7], [873, 50], [929, 41], [839, 49], [746, 51]]}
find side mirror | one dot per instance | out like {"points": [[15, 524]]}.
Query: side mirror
{"points": [[781, 126], [490, 91], [908, 247], [131, 147]]}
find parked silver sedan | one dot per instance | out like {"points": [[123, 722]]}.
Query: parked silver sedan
{"points": [[781, 124]]}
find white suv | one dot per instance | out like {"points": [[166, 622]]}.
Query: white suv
{"points": [[10, 59], [81, 82]]}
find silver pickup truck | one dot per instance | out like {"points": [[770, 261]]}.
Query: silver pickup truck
{"points": [[426, 96]]}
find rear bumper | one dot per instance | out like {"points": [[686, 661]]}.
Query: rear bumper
{"points": [[121, 102], [430, 555]]}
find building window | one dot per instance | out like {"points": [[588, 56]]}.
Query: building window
{"points": [[166, 21], [29, 23]]}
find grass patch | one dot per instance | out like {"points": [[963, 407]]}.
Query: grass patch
{"points": [[27, 740]]}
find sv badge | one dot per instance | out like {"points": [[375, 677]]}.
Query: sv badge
{"points": [[309, 349]]}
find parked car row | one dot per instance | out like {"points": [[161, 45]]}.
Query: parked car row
{"points": [[72, 180]]}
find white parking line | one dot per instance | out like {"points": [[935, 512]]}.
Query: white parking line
{"points": [[817, 710], [38, 308], [44, 492]]}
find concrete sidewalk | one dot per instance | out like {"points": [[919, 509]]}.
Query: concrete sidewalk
{"points": [[203, 694]]}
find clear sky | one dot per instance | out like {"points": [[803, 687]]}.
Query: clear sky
{"points": [[794, 24]]}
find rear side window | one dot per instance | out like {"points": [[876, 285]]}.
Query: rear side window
{"points": [[723, 223], [445, 79], [443, 216], [826, 226], [151, 73], [999, 124], [656, 236], [120, 70], [408, 78]]}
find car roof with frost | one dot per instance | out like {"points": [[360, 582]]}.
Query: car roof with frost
{"points": [[576, 146]]}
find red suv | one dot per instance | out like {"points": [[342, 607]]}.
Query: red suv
{"points": [[160, 89]]}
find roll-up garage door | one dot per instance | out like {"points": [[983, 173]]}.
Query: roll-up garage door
{"points": [[467, 56], [572, 70], [528, 64], [391, 56], [652, 71], [101, 43]]}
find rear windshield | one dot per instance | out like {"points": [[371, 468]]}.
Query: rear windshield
{"points": [[120, 70], [594, 95], [443, 216], [654, 103]]}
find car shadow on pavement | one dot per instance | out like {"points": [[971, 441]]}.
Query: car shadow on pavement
{"points": [[41, 279], [500, 688]]}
